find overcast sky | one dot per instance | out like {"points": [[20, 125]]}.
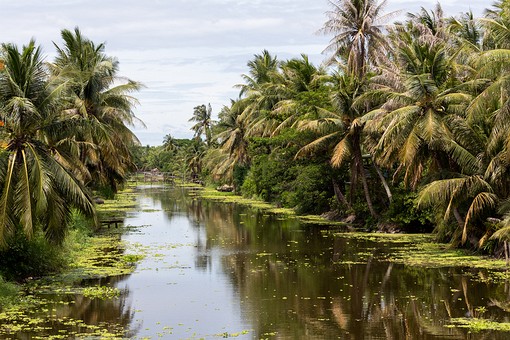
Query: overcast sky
{"points": [[186, 52]]}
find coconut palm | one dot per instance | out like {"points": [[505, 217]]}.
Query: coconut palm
{"points": [[474, 194], [339, 129], [169, 143], [490, 109], [421, 124], [358, 43], [429, 22], [202, 118], [469, 31], [233, 142], [39, 189], [97, 93], [195, 154], [497, 25], [260, 92], [302, 88], [357, 27], [478, 171], [260, 71]]}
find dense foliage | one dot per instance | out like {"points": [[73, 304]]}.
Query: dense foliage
{"points": [[405, 127], [63, 134]]}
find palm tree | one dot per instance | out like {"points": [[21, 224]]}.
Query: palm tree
{"points": [[302, 88], [97, 93], [468, 31], [421, 124], [202, 118], [357, 44], [260, 71], [39, 188], [233, 142], [462, 127], [169, 143], [194, 158], [260, 92], [357, 29], [429, 22], [339, 128], [489, 111], [497, 24]]}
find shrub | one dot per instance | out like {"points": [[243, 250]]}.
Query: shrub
{"points": [[310, 192], [404, 212], [30, 258], [36, 257]]}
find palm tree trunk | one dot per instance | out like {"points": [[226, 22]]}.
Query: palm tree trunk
{"points": [[367, 192], [460, 222], [339, 195], [354, 182], [505, 245], [383, 180], [359, 170]]}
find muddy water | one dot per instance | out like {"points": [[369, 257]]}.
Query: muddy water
{"points": [[215, 270]]}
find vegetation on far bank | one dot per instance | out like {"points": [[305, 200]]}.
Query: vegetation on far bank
{"points": [[404, 128]]}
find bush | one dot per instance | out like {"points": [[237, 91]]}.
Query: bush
{"points": [[404, 213], [249, 187], [239, 175], [30, 258], [311, 190], [37, 257]]}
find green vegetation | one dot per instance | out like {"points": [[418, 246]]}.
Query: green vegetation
{"points": [[101, 292], [85, 255], [63, 135], [405, 128], [476, 325], [8, 293]]}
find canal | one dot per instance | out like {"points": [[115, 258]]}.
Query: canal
{"points": [[215, 270]]}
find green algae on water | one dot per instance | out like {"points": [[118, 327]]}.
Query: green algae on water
{"points": [[476, 325]]}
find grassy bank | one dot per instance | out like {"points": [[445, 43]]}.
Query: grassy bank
{"points": [[229, 197], [33, 308]]}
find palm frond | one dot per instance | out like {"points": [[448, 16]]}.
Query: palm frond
{"points": [[481, 202]]}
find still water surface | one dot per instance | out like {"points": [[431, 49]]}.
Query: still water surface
{"points": [[216, 270]]}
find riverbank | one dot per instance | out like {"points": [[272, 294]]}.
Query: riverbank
{"points": [[229, 197], [34, 308]]}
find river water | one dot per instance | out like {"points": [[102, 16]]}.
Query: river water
{"points": [[214, 270]]}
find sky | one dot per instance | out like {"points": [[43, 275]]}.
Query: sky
{"points": [[187, 52]]}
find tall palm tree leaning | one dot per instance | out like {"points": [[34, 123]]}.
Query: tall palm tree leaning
{"points": [[38, 189], [358, 40], [98, 94]]}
